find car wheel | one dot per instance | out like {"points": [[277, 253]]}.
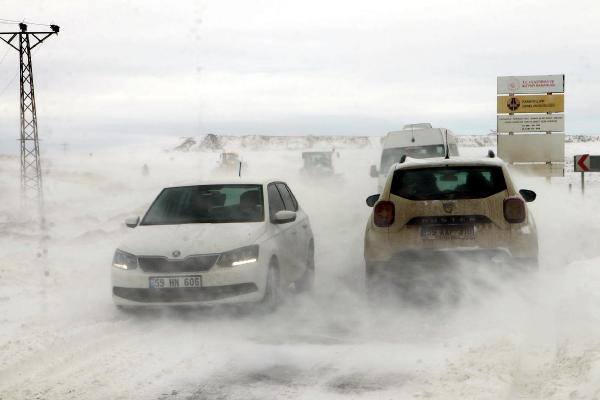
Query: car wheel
{"points": [[272, 297], [528, 264], [381, 286], [306, 282], [373, 283]]}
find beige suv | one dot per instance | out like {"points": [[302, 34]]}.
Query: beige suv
{"points": [[434, 212]]}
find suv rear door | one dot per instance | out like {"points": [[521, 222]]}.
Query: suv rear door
{"points": [[453, 203]]}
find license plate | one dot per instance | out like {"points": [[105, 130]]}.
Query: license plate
{"points": [[448, 232], [175, 282]]}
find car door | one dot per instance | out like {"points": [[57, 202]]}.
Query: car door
{"points": [[282, 234], [297, 229]]}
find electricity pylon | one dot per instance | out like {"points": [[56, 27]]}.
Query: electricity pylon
{"points": [[31, 169]]}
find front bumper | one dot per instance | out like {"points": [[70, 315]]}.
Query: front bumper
{"points": [[184, 295], [241, 284]]}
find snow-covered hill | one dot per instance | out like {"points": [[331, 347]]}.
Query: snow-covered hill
{"points": [[212, 142], [260, 142]]}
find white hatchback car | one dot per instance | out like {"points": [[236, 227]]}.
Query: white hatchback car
{"points": [[215, 243]]}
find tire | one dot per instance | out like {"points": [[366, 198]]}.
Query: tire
{"points": [[528, 264], [306, 283], [272, 298], [373, 283], [382, 286]]}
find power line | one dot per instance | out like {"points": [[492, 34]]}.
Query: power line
{"points": [[12, 21], [4, 56], [12, 80]]}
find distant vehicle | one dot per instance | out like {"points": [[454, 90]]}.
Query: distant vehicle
{"points": [[229, 162], [415, 141], [433, 210], [317, 163], [215, 243]]}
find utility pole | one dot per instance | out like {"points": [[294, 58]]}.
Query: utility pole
{"points": [[31, 170]]}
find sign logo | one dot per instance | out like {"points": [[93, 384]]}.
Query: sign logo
{"points": [[176, 253], [513, 103], [514, 85], [448, 207]]}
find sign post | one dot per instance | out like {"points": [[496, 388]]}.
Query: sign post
{"points": [[527, 106], [585, 163]]}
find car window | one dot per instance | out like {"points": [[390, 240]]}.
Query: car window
{"points": [[275, 201], [292, 196], [393, 155], [206, 204], [285, 195], [445, 183], [453, 150]]}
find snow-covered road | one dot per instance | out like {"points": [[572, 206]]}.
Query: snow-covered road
{"points": [[61, 337]]}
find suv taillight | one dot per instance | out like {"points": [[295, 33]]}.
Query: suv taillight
{"points": [[384, 213], [514, 210]]}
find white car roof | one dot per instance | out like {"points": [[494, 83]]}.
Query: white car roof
{"points": [[421, 136], [442, 162]]}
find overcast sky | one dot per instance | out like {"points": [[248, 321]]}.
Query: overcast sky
{"points": [[120, 70]]}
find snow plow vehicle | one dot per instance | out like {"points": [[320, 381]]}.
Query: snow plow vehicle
{"points": [[435, 213], [317, 163], [229, 163]]}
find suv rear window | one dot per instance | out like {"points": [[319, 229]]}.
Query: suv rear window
{"points": [[447, 183]]}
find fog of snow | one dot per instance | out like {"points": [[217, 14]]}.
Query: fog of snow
{"points": [[61, 337]]}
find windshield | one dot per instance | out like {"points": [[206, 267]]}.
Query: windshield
{"points": [[206, 204], [447, 183], [317, 159], [391, 156]]}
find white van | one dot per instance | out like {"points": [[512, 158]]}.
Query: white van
{"points": [[415, 141]]}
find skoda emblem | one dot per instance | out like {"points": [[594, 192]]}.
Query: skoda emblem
{"points": [[176, 253], [448, 207]]}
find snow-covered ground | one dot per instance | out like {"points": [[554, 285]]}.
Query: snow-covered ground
{"points": [[61, 337]]}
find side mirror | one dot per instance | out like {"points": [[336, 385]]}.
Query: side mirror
{"points": [[283, 217], [374, 172], [528, 195], [372, 199], [132, 222]]}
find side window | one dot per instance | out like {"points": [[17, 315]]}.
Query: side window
{"points": [[293, 198], [288, 198], [453, 150], [275, 201]]}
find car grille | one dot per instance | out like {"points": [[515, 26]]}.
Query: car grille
{"points": [[188, 264], [180, 295]]}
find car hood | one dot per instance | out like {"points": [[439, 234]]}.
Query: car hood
{"points": [[189, 239]]}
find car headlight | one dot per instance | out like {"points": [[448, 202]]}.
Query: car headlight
{"points": [[241, 256], [124, 260]]}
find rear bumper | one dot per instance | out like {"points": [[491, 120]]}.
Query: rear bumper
{"points": [[519, 241], [416, 264]]}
